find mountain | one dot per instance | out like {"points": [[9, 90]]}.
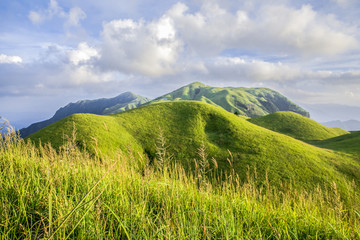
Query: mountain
{"points": [[103, 106], [350, 125], [332, 112], [250, 102], [297, 126], [186, 125]]}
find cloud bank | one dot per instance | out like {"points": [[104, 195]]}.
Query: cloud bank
{"points": [[308, 53]]}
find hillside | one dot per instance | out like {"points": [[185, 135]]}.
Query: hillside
{"points": [[349, 143], [68, 194], [251, 102], [188, 124], [297, 126], [103, 106]]}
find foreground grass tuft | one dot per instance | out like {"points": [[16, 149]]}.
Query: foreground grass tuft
{"points": [[71, 194]]}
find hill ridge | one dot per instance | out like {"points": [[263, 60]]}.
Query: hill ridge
{"points": [[188, 124], [101, 106], [297, 126], [250, 102]]}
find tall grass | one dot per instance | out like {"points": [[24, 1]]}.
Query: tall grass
{"points": [[70, 194]]}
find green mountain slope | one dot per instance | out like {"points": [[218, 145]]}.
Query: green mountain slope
{"points": [[103, 106], [188, 124], [251, 102], [349, 143], [297, 126]]}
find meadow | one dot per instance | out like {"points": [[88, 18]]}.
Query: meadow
{"points": [[68, 193]]}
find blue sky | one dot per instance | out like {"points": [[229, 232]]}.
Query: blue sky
{"points": [[54, 52]]}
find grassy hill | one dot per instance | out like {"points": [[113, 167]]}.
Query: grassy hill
{"points": [[297, 126], [251, 102], [186, 125], [68, 194], [349, 143], [102, 106]]}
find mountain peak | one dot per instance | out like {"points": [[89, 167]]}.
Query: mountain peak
{"points": [[250, 102], [196, 85]]}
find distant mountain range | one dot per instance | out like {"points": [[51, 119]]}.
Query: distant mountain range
{"points": [[332, 112], [248, 102], [102, 106], [350, 125]]}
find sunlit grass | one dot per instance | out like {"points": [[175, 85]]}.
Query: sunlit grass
{"points": [[71, 194]]}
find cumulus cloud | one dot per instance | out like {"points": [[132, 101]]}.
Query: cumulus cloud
{"points": [[233, 68], [267, 45], [72, 17], [82, 54], [277, 29], [149, 48], [10, 59], [75, 15]]}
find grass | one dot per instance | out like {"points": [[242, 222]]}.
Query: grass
{"points": [[297, 126], [349, 143], [191, 125], [68, 193], [188, 125]]}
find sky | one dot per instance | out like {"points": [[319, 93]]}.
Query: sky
{"points": [[53, 52]]}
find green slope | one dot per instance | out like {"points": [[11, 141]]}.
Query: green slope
{"points": [[102, 106], [251, 102], [187, 124], [297, 126], [349, 143]]}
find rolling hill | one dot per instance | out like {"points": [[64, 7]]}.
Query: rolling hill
{"points": [[103, 106], [349, 143], [188, 124], [297, 126], [250, 102]]}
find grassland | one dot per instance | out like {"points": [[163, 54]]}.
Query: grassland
{"points": [[174, 170], [70, 194], [297, 126], [189, 125], [348, 143]]}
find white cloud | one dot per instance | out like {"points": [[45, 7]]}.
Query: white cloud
{"points": [[344, 3], [149, 48], [82, 54], [73, 17], [277, 29], [237, 69], [35, 17], [10, 59]]}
